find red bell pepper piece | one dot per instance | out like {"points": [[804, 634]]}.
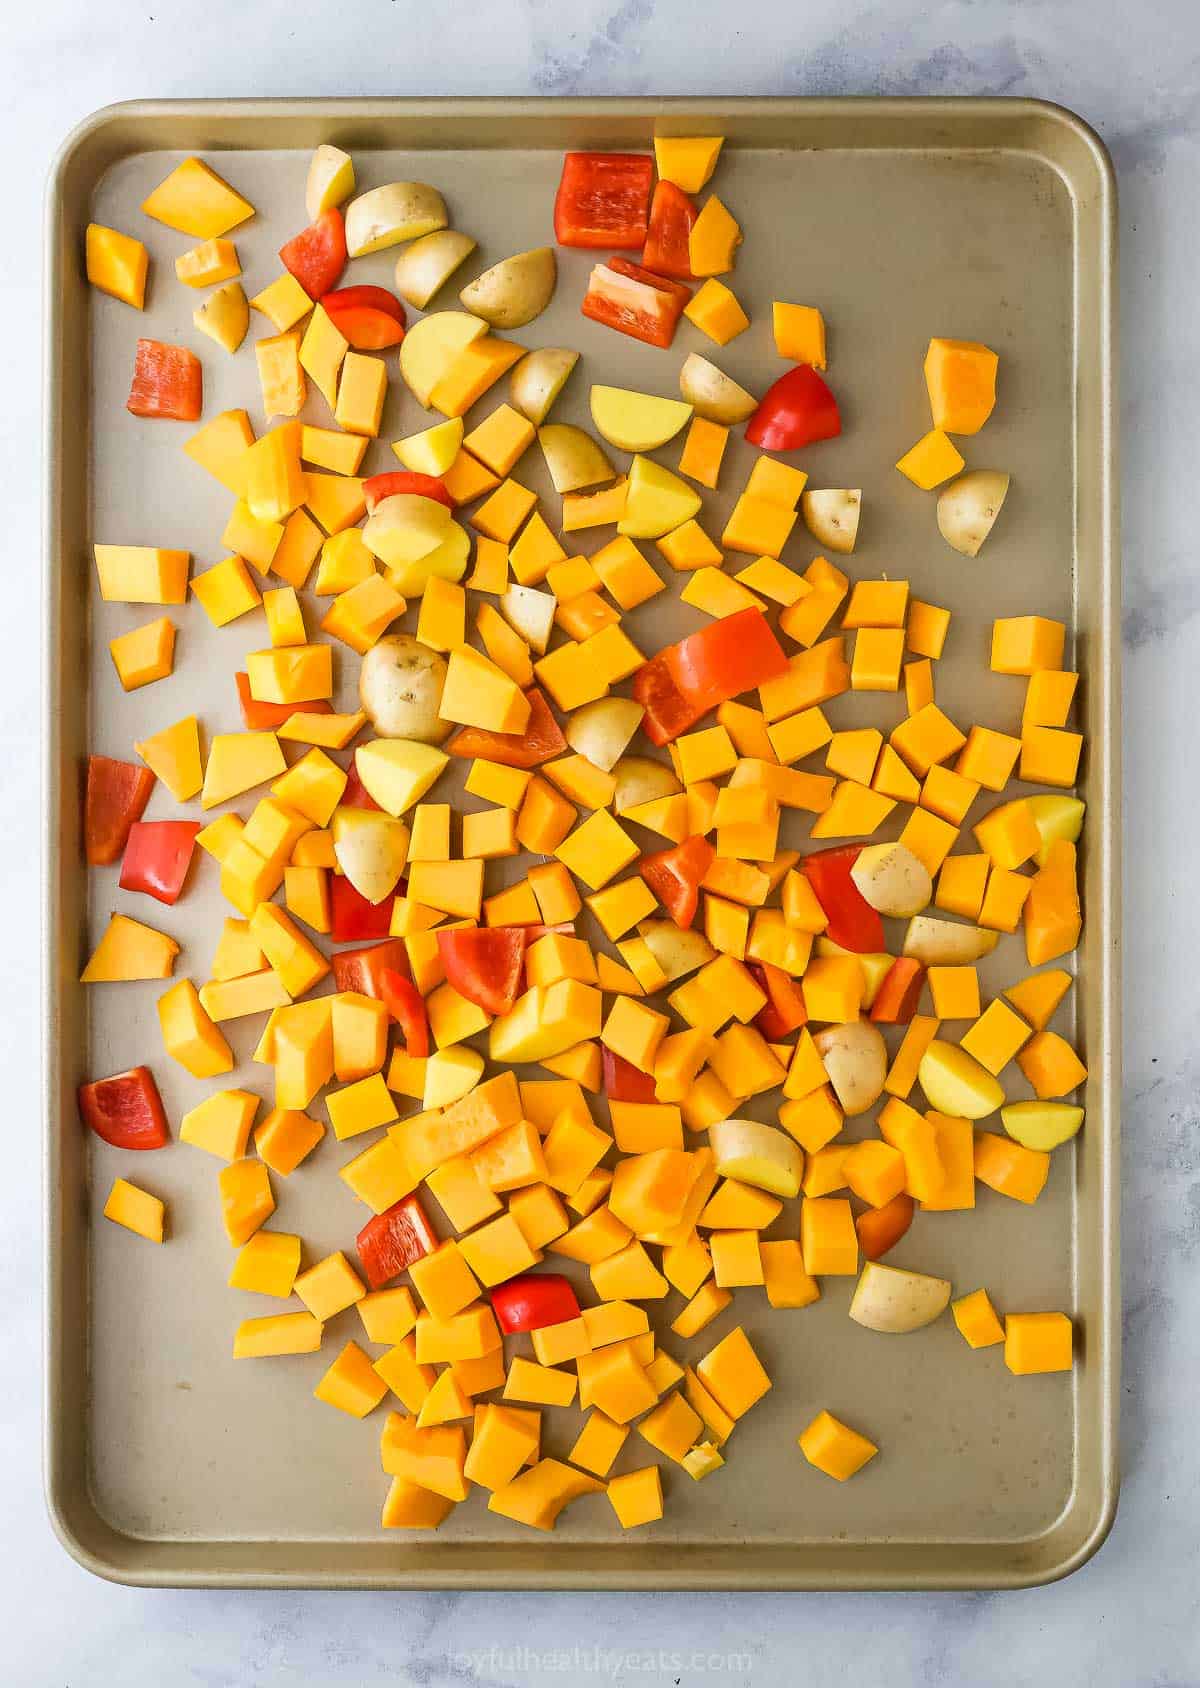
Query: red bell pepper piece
{"points": [[533, 1300], [684, 681], [536, 930], [671, 217], [541, 739], [352, 918], [262, 717], [853, 923], [117, 792], [389, 1243], [603, 199], [157, 857], [785, 1011], [362, 969], [485, 963], [675, 876], [356, 795], [634, 301], [797, 410], [406, 1005], [370, 318], [317, 255], [378, 487], [623, 1082], [125, 1110], [168, 383], [880, 1228], [897, 997]]}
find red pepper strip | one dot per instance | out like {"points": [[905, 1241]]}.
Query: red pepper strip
{"points": [[536, 930], [362, 969], [541, 739], [675, 876], [785, 1011], [485, 964], [532, 1300], [168, 383], [671, 217], [684, 681], [897, 997], [262, 717], [117, 792], [125, 1110], [623, 1082], [356, 795], [317, 255], [603, 199], [797, 411], [157, 857], [370, 318], [378, 487], [853, 923], [352, 918], [880, 1228], [406, 1005], [630, 299], [389, 1243]]}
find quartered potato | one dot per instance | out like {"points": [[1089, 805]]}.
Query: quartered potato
{"points": [[968, 507], [601, 730], [425, 267], [896, 1302], [573, 458], [400, 687], [387, 215], [713, 394], [856, 1059], [538, 379], [892, 879], [515, 291], [640, 779], [831, 516]]}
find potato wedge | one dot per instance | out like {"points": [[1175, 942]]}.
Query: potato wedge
{"points": [[431, 346], [330, 180], [538, 379], [956, 1084], [400, 687], [856, 1059], [639, 780], [1041, 1125], [601, 730], [831, 516], [968, 507], [757, 1154], [448, 561], [531, 613], [942, 943], [514, 291], [406, 527], [892, 879], [425, 267], [371, 850], [895, 1302], [636, 421], [573, 458], [713, 394], [677, 952], [396, 212]]}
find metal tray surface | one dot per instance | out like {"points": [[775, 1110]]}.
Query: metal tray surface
{"points": [[993, 220]]}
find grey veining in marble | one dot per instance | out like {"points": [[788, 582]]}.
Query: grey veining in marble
{"points": [[1131, 1616]]}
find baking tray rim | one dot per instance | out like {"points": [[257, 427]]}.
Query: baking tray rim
{"points": [[152, 1562]]}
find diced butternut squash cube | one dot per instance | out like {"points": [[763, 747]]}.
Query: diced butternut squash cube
{"points": [[834, 1448]]}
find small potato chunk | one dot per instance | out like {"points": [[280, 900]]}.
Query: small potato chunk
{"points": [[425, 267], [538, 379], [397, 211], [831, 516], [677, 953], [968, 507], [713, 394], [601, 730], [946, 943], [757, 1154], [573, 458], [515, 291], [400, 687], [640, 779], [855, 1057], [896, 1302], [892, 879]]}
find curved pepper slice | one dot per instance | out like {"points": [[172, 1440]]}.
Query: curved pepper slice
{"points": [[378, 487], [370, 318], [485, 964], [897, 997], [853, 923], [675, 877], [533, 1300], [797, 411], [125, 1110], [785, 1011], [880, 1228], [635, 301], [388, 1244], [672, 215], [683, 682], [317, 255], [541, 739], [117, 792], [406, 1006]]}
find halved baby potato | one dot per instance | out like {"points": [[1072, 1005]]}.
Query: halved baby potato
{"points": [[514, 291], [637, 421], [601, 730], [713, 394], [400, 687], [431, 346], [425, 267], [573, 458], [856, 1059], [757, 1154], [640, 779], [968, 507], [677, 952], [946, 943], [538, 379], [831, 516], [892, 879], [896, 1302], [388, 215]]}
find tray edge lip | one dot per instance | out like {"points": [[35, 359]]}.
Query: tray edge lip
{"points": [[75, 142]]}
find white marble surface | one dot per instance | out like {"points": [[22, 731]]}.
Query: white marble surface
{"points": [[1131, 1616]]}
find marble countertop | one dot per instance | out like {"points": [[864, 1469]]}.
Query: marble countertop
{"points": [[1132, 1615]]}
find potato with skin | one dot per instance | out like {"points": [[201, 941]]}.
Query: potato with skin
{"points": [[1041, 1125], [895, 1302], [956, 1084], [371, 850], [757, 1154], [425, 267], [531, 614], [514, 291], [431, 346], [946, 943], [640, 779], [677, 952], [573, 458], [330, 180], [856, 1059], [831, 516], [713, 394], [538, 379], [968, 507], [601, 730], [400, 687], [892, 879], [396, 212]]}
